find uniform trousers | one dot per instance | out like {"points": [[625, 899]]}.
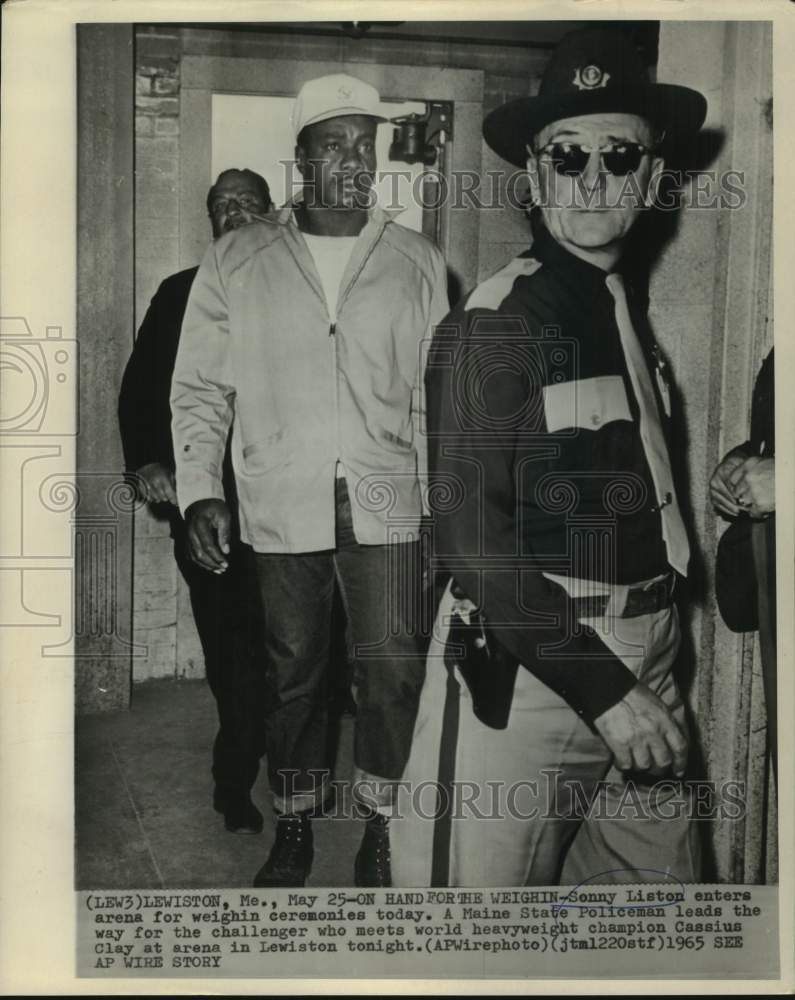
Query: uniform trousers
{"points": [[540, 802], [380, 590]]}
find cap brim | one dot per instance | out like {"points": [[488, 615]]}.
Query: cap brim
{"points": [[509, 129], [339, 113]]}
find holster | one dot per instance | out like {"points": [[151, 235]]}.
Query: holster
{"points": [[487, 668]]}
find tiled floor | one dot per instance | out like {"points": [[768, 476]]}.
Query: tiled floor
{"points": [[144, 815]]}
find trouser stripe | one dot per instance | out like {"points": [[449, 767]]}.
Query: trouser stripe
{"points": [[448, 745]]}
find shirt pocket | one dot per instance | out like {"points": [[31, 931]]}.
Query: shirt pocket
{"points": [[588, 403]]}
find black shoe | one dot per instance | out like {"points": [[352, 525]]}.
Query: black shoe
{"points": [[373, 868], [290, 859], [240, 813]]}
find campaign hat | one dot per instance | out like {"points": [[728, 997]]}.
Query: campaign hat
{"points": [[593, 71]]}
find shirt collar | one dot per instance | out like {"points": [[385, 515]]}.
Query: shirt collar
{"points": [[583, 279]]}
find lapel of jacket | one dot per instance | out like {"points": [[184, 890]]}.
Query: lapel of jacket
{"points": [[298, 248], [378, 218]]}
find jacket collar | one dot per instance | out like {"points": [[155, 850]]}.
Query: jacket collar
{"points": [[583, 279], [370, 235]]}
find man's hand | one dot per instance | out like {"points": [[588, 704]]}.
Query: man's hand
{"points": [[720, 490], [208, 523], [159, 482], [754, 485], [642, 734]]}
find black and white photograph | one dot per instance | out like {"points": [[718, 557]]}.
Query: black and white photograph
{"points": [[391, 485]]}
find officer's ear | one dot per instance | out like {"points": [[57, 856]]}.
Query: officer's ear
{"points": [[655, 141], [656, 175], [532, 176]]}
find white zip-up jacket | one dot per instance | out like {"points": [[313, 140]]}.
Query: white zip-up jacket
{"points": [[259, 354]]}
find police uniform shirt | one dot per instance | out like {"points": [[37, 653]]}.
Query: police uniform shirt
{"points": [[534, 439]]}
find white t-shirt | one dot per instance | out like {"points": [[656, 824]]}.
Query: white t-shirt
{"points": [[331, 255]]}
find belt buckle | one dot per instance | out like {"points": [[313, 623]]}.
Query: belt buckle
{"points": [[667, 585], [659, 591]]}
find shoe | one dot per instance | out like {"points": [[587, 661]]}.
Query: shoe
{"points": [[290, 859], [373, 867], [239, 812]]}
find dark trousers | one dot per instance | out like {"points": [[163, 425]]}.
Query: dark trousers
{"points": [[380, 590], [227, 615]]}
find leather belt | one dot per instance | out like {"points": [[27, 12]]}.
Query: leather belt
{"points": [[641, 600], [645, 600]]}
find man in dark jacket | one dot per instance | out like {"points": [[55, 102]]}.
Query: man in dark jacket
{"points": [[224, 606]]}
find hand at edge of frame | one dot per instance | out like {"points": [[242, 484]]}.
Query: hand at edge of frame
{"points": [[754, 483], [720, 490]]}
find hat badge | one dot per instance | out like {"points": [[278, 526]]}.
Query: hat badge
{"points": [[590, 77], [344, 93]]}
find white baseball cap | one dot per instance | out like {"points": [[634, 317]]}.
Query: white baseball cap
{"points": [[334, 95]]}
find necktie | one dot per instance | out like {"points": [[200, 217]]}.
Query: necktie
{"points": [[673, 529]]}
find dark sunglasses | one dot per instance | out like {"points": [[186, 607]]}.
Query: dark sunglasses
{"points": [[570, 158]]}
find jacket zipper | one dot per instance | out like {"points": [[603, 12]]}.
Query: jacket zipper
{"points": [[354, 277], [333, 336], [332, 332]]}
